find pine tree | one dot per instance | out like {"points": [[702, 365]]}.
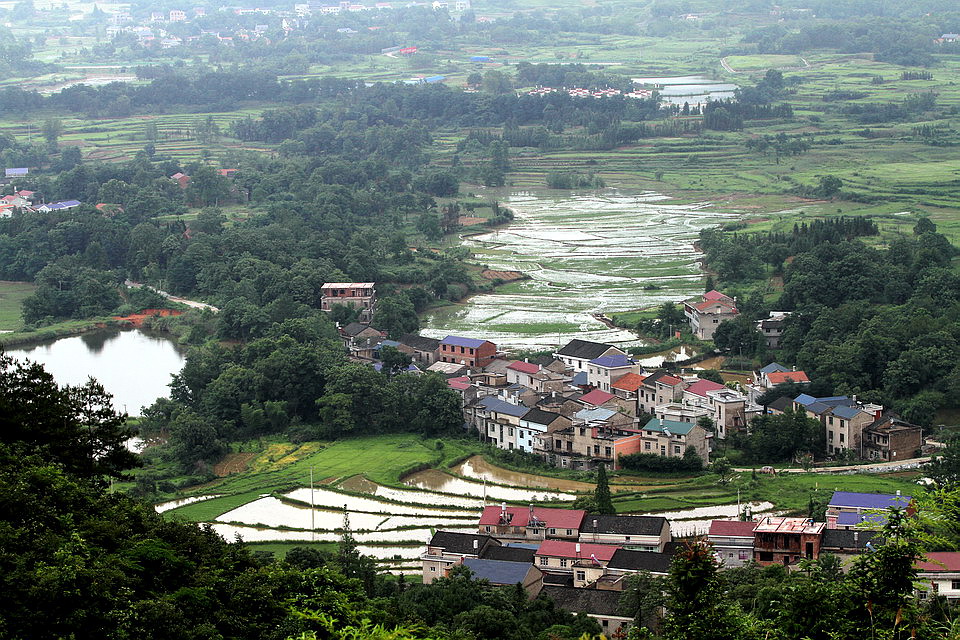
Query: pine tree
{"points": [[602, 494]]}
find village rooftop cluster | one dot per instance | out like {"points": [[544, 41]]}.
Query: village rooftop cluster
{"points": [[590, 404], [582, 561]]}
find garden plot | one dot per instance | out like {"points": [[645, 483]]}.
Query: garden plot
{"points": [[585, 255]]}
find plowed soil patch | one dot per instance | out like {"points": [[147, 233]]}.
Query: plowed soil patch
{"points": [[233, 463]]}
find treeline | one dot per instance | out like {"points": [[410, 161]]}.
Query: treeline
{"points": [[295, 380], [876, 322]]}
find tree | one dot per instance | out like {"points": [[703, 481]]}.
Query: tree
{"points": [[496, 82], [75, 427], [724, 470], [829, 186], [944, 468], [696, 607], [602, 493], [394, 361], [395, 315], [51, 130]]}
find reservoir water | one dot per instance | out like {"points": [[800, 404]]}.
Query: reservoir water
{"points": [[133, 365]]}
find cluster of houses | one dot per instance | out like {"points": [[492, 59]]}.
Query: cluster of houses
{"points": [[31, 201], [589, 403], [311, 8], [583, 561]]}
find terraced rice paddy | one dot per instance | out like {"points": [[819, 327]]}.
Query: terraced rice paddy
{"points": [[585, 254]]}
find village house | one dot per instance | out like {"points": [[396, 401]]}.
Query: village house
{"points": [[448, 369], [728, 409], [599, 399], [671, 439], [772, 328], [358, 295], [58, 206], [182, 179], [708, 311], [888, 438], [940, 573], [521, 372], [638, 533], [659, 388], [577, 353], [778, 540], [517, 524], [627, 390], [447, 548], [496, 420], [846, 544], [468, 351], [561, 556], [422, 349], [732, 541], [843, 418], [603, 371], [537, 421]]}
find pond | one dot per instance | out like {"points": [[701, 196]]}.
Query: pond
{"points": [[134, 365], [585, 254], [691, 89]]}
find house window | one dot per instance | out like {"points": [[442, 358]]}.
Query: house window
{"points": [[511, 431], [841, 438], [646, 446], [663, 450], [563, 562], [432, 568], [535, 532], [606, 451], [544, 562], [596, 449], [487, 529], [830, 420], [955, 585], [559, 444], [570, 533], [676, 449], [581, 576], [765, 556], [583, 431], [830, 436], [553, 531]]}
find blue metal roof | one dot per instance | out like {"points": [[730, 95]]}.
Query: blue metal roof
{"points": [[848, 519], [16, 171], [580, 378], [497, 571], [613, 360], [804, 399], [500, 406], [847, 413], [774, 367], [868, 500], [457, 341]]}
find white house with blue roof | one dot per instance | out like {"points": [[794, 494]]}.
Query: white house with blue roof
{"points": [[604, 370], [497, 421]]}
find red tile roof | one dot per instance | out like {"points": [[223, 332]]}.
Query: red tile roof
{"points": [[628, 382], [563, 549], [734, 528], [459, 384], [779, 377], [670, 381], [559, 518], [940, 561], [597, 397], [525, 367], [715, 295], [706, 304], [700, 387]]}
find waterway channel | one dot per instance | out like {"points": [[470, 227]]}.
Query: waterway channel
{"points": [[134, 365], [585, 253]]}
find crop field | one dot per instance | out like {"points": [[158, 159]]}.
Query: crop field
{"points": [[11, 302], [365, 482]]}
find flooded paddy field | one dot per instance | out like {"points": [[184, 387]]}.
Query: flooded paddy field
{"points": [[585, 254]]}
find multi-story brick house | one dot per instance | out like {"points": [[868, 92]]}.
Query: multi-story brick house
{"points": [[659, 388], [785, 541], [889, 438], [359, 295], [471, 352], [843, 419]]}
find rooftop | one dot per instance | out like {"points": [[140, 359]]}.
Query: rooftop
{"points": [[940, 561], [851, 499], [463, 543], [790, 525], [732, 528], [419, 343], [496, 405], [599, 413], [458, 341], [716, 295], [519, 516], [774, 367], [539, 416], [674, 427], [597, 397], [596, 601], [510, 553], [629, 525], [641, 561], [523, 367], [581, 550], [614, 360], [700, 387], [347, 285], [846, 539], [628, 382], [584, 349], [498, 571], [780, 377]]}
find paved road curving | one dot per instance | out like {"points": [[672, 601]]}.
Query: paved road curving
{"points": [[879, 467]]}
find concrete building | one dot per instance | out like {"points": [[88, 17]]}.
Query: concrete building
{"points": [[448, 548], [603, 371], [708, 311], [359, 295], [785, 541], [637, 533], [732, 541], [471, 352], [531, 523], [939, 572], [576, 354]]}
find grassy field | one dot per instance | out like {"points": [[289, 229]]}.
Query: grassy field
{"points": [[11, 301]]}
